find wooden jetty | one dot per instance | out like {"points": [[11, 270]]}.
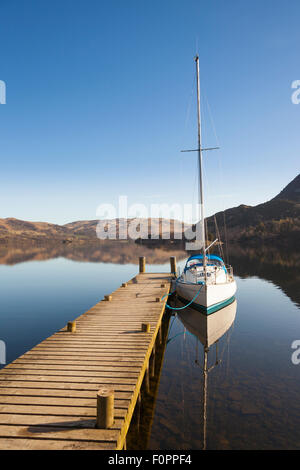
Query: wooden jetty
{"points": [[78, 389]]}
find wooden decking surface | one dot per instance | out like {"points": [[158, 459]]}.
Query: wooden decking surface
{"points": [[48, 395]]}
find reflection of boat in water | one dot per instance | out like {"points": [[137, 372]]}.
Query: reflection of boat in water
{"points": [[208, 329]]}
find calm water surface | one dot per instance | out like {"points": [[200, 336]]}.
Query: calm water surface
{"points": [[252, 393]]}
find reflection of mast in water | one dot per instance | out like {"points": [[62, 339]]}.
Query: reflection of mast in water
{"points": [[208, 329], [206, 369], [205, 372]]}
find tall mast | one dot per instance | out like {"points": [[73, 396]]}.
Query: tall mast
{"points": [[201, 204]]}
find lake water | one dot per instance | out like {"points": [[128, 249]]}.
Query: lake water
{"points": [[252, 394]]}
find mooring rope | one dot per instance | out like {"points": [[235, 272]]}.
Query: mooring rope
{"points": [[185, 306]]}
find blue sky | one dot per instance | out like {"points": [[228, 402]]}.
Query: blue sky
{"points": [[101, 99]]}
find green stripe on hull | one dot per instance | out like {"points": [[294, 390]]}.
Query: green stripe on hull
{"points": [[213, 308]]}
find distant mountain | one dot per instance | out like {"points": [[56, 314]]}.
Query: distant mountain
{"points": [[87, 228], [20, 230], [14, 230], [291, 192], [277, 220]]}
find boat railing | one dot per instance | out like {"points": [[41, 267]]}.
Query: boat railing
{"points": [[229, 271]]}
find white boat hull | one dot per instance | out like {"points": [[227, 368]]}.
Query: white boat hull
{"points": [[211, 297]]}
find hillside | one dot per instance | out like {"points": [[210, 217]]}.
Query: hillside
{"points": [[291, 192], [277, 220], [87, 228], [14, 230], [19, 230]]}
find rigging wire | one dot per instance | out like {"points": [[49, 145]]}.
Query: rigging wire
{"points": [[220, 174], [219, 237], [226, 239], [186, 123], [187, 113]]}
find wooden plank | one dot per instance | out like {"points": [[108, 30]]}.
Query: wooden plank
{"points": [[15, 383], [41, 420], [88, 348], [51, 432], [71, 356], [68, 367], [59, 433], [89, 353], [69, 362], [60, 401], [39, 392], [71, 373], [63, 379], [48, 444], [55, 410]]}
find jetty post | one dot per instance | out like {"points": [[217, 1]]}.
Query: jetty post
{"points": [[142, 263], [105, 408], [173, 265]]}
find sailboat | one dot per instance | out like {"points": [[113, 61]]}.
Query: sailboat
{"points": [[206, 282]]}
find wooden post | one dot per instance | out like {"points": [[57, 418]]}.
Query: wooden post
{"points": [[159, 335], [152, 362], [146, 327], [147, 380], [139, 405], [165, 327], [105, 408], [71, 326], [173, 264], [142, 261], [108, 298], [137, 411]]}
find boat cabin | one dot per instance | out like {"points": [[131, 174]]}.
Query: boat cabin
{"points": [[211, 260], [216, 270]]}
